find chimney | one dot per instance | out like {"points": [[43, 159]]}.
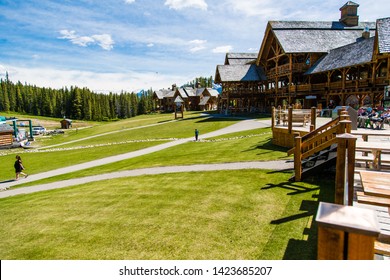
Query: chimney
{"points": [[349, 14], [174, 87], [366, 33]]}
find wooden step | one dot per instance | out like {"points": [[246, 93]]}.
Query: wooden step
{"points": [[382, 248]]}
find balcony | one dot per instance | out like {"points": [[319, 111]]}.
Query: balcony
{"points": [[285, 69]]}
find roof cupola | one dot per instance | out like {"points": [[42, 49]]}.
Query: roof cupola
{"points": [[349, 14]]}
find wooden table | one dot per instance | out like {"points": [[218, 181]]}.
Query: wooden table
{"points": [[370, 132], [376, 188], [376, 148]]}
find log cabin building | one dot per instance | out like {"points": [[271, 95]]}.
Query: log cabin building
{"points": [[194, 99], [314, 63]]}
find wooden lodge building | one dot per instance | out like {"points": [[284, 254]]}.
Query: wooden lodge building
{"points": [[314, 63], [194, 99]]}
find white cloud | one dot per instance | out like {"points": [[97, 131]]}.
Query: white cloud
{"points": [[103, 40], [182, 4], [197, 45], [223, 49], [128, 81], [129, 1], [150, 45], [265, 8]]}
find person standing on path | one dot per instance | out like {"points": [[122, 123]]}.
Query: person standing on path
{"points": [[19, 168], [196, 134]]}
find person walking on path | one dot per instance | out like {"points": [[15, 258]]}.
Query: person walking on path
{"points": [[19, 168], [196, 134]]}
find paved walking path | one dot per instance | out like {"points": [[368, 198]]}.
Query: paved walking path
{"points": [[240, 126], [273, 165]]}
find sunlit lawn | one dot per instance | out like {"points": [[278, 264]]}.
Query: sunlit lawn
{"points": [[53, 159], [253, 145], [246, 214], [207, 215]]}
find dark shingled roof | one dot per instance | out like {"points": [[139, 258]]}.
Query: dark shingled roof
{"points": [[239, 73], [240, 58], [350, 55], [383, 26], [162, 93], [316, 36]]}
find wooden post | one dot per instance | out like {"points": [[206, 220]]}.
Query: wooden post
{"points": [[346, 232], [273, 117], [340, 170], [298, 158], [345, 168], [290, 113], [351, 146], [313, 117]]}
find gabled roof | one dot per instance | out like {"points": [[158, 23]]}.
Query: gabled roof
{"points": [[178, 99], [383, 27], [190, 91], [316, 36], [204, 101], [240, 58], [349, 55], [163, 93], [199, 91], [239, 73], [211, 91], [182, 93]]}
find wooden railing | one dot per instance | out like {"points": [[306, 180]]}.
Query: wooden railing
{"points": [[285, 69], [317, 140]]}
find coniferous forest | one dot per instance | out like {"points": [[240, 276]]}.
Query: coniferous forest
{"points": [[75, 103]]}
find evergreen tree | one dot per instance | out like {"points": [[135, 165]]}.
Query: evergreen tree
{"points": [[76, 111], [4, 97]]}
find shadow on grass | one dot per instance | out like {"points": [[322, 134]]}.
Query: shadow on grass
{"points": [[215, 119], [266, 147], [306, 247], [290, 186], [239, 116]]}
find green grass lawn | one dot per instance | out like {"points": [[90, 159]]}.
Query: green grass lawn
{"points": [[252, 145], [208, 215], [44, 161], [246, 214]]}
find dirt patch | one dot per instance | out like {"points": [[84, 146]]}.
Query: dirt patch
{"points": [[53, 124]]}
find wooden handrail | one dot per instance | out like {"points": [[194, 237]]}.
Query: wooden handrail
{"points": [[317, 140]]}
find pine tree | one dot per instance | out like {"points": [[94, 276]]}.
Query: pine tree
{"points": [[76, 112]]}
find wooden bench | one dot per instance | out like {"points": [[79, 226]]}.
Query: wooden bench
{"points": [[370, 159], [376, 190], [296, 118], [363, 197]]}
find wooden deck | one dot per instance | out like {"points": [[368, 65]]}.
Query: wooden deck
{"points": [[381, 212]]}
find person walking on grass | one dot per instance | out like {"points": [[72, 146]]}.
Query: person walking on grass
{"points": [[19, 168], [196, 134]]}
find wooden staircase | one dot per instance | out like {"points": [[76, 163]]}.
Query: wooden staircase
{"points": [[318, 148]]}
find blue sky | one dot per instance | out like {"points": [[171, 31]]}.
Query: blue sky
{"points": [[114, 45]]}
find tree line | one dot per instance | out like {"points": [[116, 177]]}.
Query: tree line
{"points": [[203, 82], [74, 102]]}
